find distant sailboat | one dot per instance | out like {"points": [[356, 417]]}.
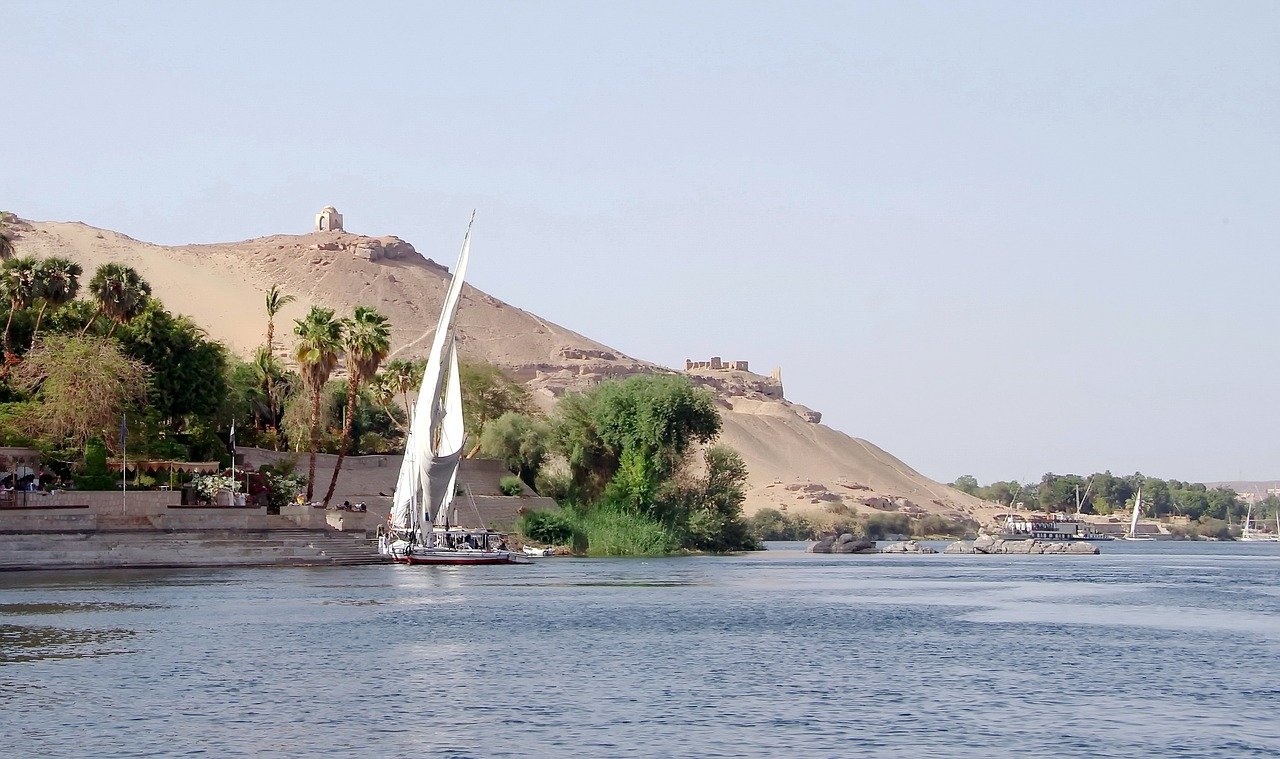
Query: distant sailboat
{"points": [[418, 530], [1133, 523], [1249, 534]]}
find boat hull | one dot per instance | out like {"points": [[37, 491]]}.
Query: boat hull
{"points": [[457, 558]]}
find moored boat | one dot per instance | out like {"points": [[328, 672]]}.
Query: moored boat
{"points": [[418, 529]]}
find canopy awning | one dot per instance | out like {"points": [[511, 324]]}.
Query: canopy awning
{"points": [[153, 465]]}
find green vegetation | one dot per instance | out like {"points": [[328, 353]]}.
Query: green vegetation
{"points": [[633, 461], [366, 339], [772, 524], [1208, 509], [511, 486], [630, 483]]}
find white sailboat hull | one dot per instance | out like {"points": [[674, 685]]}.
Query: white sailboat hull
{"points": [[401, 552]]}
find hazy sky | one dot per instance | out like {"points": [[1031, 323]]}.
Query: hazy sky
{"points": [[993, 238]]}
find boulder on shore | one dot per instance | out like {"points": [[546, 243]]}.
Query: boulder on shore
{"points": [[844, 543], [986, 544], [907, 546]]}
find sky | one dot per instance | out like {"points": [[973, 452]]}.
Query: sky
{"points": [[998, 239]]}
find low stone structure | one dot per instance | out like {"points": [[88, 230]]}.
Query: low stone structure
{"points": [[985, 544], [844, 543]]}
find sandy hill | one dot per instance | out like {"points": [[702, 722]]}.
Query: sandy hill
{"points": [[795, 461]]}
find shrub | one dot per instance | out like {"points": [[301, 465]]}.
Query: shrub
{"points": [[554, 485], [511, 485], [549, 527], [96, 476], [934, 524], [372, 442], [609, 532], [771, 524], [880, 526]]}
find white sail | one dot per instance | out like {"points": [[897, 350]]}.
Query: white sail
{"points": [[405, 495], [434, 442], [442, 467], [1137, 509]]}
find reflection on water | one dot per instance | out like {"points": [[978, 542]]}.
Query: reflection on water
{"points": [[20, 643], [1146, 650]]}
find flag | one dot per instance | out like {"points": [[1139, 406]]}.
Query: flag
{"points": [[233, 438], [123, 431]]}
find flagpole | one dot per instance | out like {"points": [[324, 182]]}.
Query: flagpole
{"points": [[233, 462], [124, 457]]}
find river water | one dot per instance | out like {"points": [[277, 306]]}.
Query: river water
{"points": [[1151, 649]]}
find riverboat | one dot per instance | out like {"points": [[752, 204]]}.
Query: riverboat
{"points": [[1050, 527]]}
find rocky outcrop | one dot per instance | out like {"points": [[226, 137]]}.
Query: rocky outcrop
{"points": [[907, 546], [844, 543], [985, 544]]}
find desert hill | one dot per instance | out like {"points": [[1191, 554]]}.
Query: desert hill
{"points": [[795, 461]]}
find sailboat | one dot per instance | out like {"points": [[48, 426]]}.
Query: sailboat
{"points": [[1133, 523], [1249, 534], [419, 528]]}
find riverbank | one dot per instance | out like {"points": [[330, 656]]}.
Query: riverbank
{"points": [[154, 549]]}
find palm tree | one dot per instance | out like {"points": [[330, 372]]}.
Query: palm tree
{"points": [[276, 300], [18, 284], [317, 350], [273, 386], [384, 389], [367, 341], [121, 294], [405, 376], [57, 283]]}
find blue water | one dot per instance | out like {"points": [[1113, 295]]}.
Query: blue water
{"points": [[1152, 649]]}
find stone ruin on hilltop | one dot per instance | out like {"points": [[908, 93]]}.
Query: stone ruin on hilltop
{"points": [[390, 247]]}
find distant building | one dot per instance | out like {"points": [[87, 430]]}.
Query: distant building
{"points": [[329, 220]]}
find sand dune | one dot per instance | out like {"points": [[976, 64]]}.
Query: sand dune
{"points": [[794, 462]]}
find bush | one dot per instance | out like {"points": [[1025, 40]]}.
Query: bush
{"points": [[372, 442], [934, 524], [771, 524], [880, 526], [511, 485], [96, 476], [555, 485], [548, 527], [609, 532]]}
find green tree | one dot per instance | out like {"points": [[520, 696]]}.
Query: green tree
{"points": [[399, 378], [521, 442], [276, 300], [966, 483], [6, 238], [188, 371], [715, 523], [317, 350], [121, 293], [488, 393], [660, 416], [83, 385], [18, 284], [367, 341], [57, 283]]}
